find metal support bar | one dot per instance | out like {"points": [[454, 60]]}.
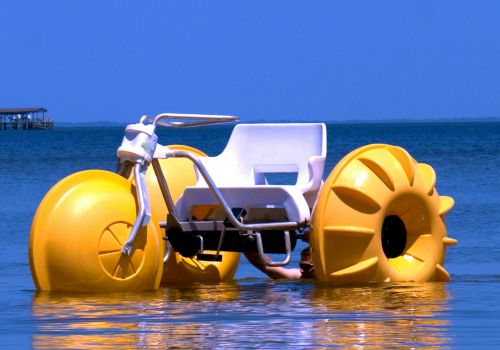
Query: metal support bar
{"points": [[270, 263], [164, 187], [168, 252], [193, 226], [144, 213], [220, 242], [201, 244]]}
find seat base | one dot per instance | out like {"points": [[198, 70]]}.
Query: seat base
{"points": [[257, 196]]}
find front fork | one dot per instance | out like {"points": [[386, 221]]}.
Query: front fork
{"points": [[137, 149], [144, 213]]}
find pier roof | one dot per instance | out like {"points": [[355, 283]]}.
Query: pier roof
{"points": [[8, 111]]}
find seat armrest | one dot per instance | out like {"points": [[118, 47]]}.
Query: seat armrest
{"points": [[316, 165]]}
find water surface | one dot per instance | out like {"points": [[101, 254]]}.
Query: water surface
{"points": [[254, 312]]}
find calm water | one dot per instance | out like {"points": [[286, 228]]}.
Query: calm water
{"points": [[254, 312]]}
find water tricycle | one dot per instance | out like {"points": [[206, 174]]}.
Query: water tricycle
{"points": [[171, 214]]}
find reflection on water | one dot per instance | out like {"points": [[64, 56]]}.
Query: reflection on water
{"points": [[398, 315], [249, 313]]}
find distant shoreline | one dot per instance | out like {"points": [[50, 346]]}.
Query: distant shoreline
{"points": [[107, 124]]}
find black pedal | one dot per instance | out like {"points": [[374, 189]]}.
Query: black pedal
{"points": [[209, 257]]}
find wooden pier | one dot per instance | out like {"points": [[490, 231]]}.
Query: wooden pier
{"points": [[24, 119]]}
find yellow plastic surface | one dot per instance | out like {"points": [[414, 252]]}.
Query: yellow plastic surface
{"points": [[365, 187], [179, 269], [179, 173], [78, 232]]}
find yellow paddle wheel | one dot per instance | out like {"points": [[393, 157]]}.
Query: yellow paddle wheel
{"points": [[78, 232], [379, 218]]}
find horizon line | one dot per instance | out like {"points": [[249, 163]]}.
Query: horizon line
{"points": [[105, 123]]}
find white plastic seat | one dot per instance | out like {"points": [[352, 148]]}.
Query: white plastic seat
{"points": [[254, 150]]}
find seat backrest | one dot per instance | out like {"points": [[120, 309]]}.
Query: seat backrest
{"points": [[256, 149]]}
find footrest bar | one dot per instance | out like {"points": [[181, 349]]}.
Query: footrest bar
{"points": [[269, 262]]}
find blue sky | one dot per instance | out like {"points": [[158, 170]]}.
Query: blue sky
{"points": [[319, 60]]}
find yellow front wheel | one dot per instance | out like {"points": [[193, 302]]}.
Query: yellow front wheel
{"points": [[78, 232], [379, 218]]}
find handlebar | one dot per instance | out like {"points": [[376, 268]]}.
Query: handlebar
{"points": [[188, 120]]}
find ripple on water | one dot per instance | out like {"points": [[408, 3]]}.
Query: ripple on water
{"points": [[247, 314]]}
